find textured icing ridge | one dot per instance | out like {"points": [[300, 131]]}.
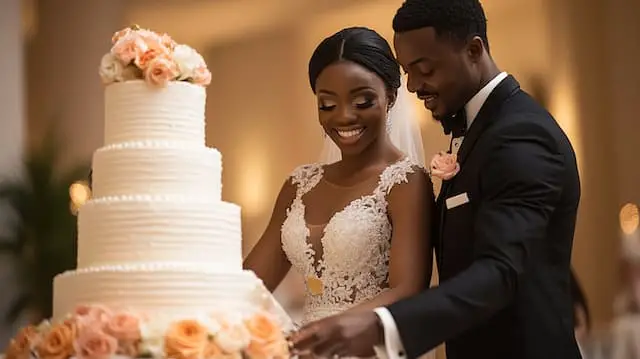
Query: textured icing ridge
{"points": [[134, 111], [154, 288], [146, 228], [151, 167]]}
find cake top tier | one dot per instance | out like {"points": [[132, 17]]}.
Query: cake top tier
{"points": [[141, 54]]}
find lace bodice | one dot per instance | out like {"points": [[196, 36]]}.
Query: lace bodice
{"points": [[350, 264]]}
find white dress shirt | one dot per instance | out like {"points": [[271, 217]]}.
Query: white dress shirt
{"points": [[393, 347]]}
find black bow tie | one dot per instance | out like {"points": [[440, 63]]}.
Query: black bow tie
{"points": [[456, 124]]}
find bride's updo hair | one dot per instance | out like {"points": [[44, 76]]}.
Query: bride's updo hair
{"points": [[362, 46]]}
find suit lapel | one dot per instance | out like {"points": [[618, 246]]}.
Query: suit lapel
{"points": [[487, 114], [507, 88]]}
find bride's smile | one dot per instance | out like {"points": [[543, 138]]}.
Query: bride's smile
{"points": [[349, 137]]}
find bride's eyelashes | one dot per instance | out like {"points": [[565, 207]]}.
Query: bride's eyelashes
{"points": [[364, 103], [361, 102], [326, 107]]}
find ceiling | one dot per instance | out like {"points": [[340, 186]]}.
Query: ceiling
{"points": [[207, 22]]}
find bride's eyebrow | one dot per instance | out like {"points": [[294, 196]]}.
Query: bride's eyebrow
{"points": [[327, 92], [352, 91], [360, 89]]}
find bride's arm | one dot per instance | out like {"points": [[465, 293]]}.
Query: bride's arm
{"points": [[411, 206], [267, 258]]}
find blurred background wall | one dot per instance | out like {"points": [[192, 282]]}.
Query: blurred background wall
{"points": [[579, 56]]}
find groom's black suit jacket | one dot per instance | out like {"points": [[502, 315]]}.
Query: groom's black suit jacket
{"points": [[504, 256]]}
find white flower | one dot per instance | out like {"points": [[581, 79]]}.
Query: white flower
{"points": [[213, 327], [110, 69], [233, 338], [188, 60], [152, 334]]}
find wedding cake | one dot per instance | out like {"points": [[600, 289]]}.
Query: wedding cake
{"points": [[159, 253]]}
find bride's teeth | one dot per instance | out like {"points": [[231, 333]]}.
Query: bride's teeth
{"points": [[350, 133]]}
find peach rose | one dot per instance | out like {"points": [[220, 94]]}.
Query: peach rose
{"points": [[93, 343], [124, 327], [202, 76], [57, 342], [143, 60], [129, 47], [186, 339], [277, 349], [160, 71], [167, 41], [154, 39], [267, 340], [120, 34], [262, 328], [444, 166], [92, 315], [20, 346]]}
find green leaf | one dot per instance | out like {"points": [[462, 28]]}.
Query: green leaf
{"points": [[41, 232]]}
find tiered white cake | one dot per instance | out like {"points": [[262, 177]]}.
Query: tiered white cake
{"points": [[159, 270], [156, 235]]}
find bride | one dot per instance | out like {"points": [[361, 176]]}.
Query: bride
{"points": [[357, 224]]}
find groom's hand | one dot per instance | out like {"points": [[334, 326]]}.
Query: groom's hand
{"points": [[347, 334]]}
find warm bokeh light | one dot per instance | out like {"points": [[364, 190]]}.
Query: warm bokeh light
{"points": [[564, 109], [253, 194], [79, 192], [629, 218]]}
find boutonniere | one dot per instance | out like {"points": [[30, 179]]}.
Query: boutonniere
{"points": [[444, 166]]}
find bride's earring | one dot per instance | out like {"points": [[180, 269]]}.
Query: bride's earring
{"points": [[388, 122]]}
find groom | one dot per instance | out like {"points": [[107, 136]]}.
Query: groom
{"points": [[505, 221]]}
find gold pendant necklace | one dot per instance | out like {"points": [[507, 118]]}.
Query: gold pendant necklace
{"points": [[314, 285]]}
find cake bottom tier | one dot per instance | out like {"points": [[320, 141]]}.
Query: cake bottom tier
{"points": [[155, 288]]}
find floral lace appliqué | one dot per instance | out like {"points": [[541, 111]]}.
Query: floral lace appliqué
{"points": [[354, 266]]}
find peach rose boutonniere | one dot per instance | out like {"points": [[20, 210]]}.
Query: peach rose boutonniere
{"points": [[444, 166], [267, 340]]}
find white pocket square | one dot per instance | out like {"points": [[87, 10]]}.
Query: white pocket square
{"points": [[457, 200]]}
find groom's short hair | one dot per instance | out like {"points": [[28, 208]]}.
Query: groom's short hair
{"points": [[458, 19]]}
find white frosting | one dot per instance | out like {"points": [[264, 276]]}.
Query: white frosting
{"points": [[155, 288], [157, 167], [137, 229], [156, 236], [134, 110]]}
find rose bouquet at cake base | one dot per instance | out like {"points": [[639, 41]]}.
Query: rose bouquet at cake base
{"points": [[159, 270], [94, 332]]}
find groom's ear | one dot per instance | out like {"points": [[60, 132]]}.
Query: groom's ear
{"points": [[475, 48]]}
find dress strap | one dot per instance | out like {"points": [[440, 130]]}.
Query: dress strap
{"points": [[395, 173], [306, 177]]}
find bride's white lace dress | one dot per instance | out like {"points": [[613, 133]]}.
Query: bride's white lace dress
{"points": [[344, 261]]}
